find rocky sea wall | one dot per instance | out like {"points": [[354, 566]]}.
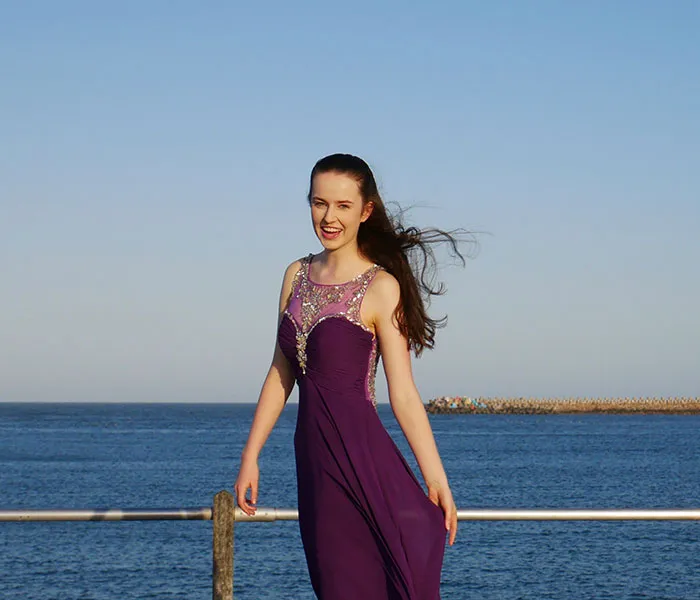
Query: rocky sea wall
{"points": [[574, 405]]}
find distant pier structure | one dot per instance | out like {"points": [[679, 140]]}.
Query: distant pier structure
{"points": [[573, 405]]}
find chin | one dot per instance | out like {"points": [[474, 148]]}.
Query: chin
{"points": [[330, 244]]}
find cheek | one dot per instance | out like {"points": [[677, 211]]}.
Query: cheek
{"points": [[315, 215], [357, 219]]}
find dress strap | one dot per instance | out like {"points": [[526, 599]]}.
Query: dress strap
{"points": [[365, 279], [302, 274], [308, 259]]}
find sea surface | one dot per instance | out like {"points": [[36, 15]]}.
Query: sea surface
{"points": [[175, 456]]}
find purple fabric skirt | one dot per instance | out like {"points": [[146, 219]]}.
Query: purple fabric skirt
{"points": [[368, 529]]}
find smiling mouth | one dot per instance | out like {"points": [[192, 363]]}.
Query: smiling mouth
{"points": [[330, 232]]}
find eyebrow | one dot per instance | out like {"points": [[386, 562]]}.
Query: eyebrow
{"points": [[338, 201]]}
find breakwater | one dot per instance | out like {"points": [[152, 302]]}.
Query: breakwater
{"points": [[574, 405]]}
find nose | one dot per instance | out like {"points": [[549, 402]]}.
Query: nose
{"points": [[329, 215]]}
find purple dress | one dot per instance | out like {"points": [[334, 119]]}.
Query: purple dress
{"points": [[368, 529]]}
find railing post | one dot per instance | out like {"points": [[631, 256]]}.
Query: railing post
{"points": [[223, 517]]}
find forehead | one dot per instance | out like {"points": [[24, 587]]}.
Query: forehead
{"points": [[335, 187]]}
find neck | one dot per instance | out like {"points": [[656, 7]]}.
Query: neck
{"points": [[345, 255]]}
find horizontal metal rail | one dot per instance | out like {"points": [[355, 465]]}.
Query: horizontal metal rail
{"points": [[225, 513], [111, 514], [579, 515], [288, 514], [291, 514]]}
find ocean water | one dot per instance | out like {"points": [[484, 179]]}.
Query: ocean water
{"points": [[171, 456]]}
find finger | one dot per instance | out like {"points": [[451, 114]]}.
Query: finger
{"points": [[453, 529], [240, 497], [249, 503], [448, 518], [244, 503], [254, 492]]}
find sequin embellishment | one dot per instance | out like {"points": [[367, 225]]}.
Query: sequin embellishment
{"points": [[313, 298]]}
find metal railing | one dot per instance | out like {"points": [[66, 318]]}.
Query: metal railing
{"points": [[267, 515], [224, 514]]}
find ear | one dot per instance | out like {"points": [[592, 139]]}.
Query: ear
{"points": [[366, 211]]}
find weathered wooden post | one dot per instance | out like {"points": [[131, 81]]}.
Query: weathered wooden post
{"points": [[223, 517]]}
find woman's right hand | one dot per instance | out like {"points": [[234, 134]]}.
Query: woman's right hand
{"points": [[248, 476]]}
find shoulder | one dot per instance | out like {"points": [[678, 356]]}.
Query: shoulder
{"points": [[291, 275], [384, 292], [289, 281], [294, 268]]}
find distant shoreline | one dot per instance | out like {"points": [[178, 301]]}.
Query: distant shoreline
{"points": [[547, 406]]}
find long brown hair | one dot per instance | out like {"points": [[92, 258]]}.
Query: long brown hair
{"points": [[405, 252]]}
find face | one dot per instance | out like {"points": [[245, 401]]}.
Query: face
{"points": [[337, 209]]}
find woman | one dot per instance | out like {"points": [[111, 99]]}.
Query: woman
{"points": [[368, 529]]}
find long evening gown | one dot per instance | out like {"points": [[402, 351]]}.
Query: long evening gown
{"points": [[368, 529]]}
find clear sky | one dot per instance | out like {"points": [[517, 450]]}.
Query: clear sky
{"points": [[154, 161]]}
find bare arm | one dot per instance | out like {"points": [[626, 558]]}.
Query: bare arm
{"points": [[381, 299], [277, 387]]}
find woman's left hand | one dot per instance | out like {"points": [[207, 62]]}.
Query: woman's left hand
{"points": [[441, 496]]}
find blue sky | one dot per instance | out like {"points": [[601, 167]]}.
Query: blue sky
{"points": [[154, 161]]}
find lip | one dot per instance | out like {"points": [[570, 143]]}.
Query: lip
{"points": [[330, 235]]}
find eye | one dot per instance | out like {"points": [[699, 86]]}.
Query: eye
{"points": [[344, 206]]}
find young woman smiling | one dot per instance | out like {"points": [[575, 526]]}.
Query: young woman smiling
{"points": [[368, 528]]}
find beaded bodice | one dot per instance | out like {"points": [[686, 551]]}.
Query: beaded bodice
{"points": [[312, 303]]}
